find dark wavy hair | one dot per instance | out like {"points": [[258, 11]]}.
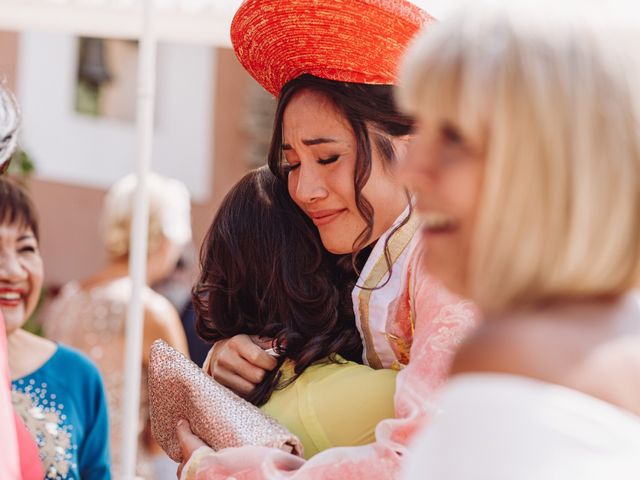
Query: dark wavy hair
{"points": [[264, 272], [374, 119]]}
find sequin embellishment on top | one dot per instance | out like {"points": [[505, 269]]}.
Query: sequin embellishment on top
{"points": [[44, 418], [64, 407]]}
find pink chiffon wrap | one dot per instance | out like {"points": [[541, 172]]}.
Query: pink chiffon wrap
{"points": [[439, 322]]}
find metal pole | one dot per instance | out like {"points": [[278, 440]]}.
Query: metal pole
{"points": [[138, 246]]}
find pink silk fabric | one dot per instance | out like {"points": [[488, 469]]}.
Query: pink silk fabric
{"points": [[438, 321]]}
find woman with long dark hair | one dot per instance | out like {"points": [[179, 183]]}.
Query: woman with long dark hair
{"points": [[337, 136], [264, 273]]}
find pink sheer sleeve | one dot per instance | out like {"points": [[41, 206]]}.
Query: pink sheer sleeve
{"points": [[441, 321]]}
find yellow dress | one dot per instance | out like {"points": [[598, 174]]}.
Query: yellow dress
{"points": [[333, 404]]}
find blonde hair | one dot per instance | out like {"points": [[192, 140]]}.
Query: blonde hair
{"points": [[169, 214], [555, 100]]}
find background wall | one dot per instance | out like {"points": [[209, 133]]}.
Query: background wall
{"points": [[69, 213], [97, 150]]}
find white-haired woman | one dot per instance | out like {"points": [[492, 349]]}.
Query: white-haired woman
{"points": [[526, 171], [90, 315]]}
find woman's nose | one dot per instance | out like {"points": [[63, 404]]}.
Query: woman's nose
{"points": [[311, 186], [10, 268]]}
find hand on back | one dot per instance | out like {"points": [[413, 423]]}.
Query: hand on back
{"points": [[240, 363]]}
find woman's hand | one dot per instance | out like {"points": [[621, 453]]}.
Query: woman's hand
{"points": [[189, 443], [240, 363]]}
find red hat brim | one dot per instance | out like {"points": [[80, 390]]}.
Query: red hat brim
{"points": [[358, 41]]}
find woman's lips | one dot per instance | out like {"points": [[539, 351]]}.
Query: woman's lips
{"points": [[324, 217], [438, 224], [10, 298]]}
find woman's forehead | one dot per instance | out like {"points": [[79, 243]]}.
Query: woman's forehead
{"points": [[310, 103], [312, 115], [16, 227]]}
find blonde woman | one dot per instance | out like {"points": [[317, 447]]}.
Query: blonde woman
{"points": [[90, 315], [526, 171]]}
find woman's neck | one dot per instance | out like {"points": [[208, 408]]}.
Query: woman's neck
{"points": [[27, 352], [115, 270], [592, 346]]}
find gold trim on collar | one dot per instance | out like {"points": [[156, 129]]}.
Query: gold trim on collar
{"points": [[399, 241]]}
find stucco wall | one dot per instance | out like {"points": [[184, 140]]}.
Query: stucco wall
{"points": [[69, 214]]}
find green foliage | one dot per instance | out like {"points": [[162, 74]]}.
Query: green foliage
{"points": [[21, 166]]}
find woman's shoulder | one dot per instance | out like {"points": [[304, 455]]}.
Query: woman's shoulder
{"points": [[338, 379], [71, 360], [347, 372], [160, 315], [482, 414], [589, 356], [157, 306], [64, 369], [33, 355]]}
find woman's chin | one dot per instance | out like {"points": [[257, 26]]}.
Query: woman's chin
{"points": [[335, 244], [337, 249], [447, 275], [13, 319]]}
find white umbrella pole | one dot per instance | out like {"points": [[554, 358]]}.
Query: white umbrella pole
{"points": [[138, 249]]}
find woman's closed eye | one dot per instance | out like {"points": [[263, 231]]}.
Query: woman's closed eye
{"points": [[289, 167], [451, 134], [329, 160], [27, 249]]}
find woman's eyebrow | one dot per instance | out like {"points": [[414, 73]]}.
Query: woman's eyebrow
{"points": [[311, 141]]}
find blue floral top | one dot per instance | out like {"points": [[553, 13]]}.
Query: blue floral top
{"points": [[64, 406]]}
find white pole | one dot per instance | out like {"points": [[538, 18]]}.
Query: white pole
{"points": [[138, 246]]}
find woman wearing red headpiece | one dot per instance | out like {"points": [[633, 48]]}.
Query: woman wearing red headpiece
{"points": [[337, 136]]}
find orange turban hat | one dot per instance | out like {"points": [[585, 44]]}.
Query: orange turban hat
{"points": [[359, 41]]}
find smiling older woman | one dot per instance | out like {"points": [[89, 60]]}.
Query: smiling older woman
{"points": [[526, 168], [57, 392], [19, 456]]}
